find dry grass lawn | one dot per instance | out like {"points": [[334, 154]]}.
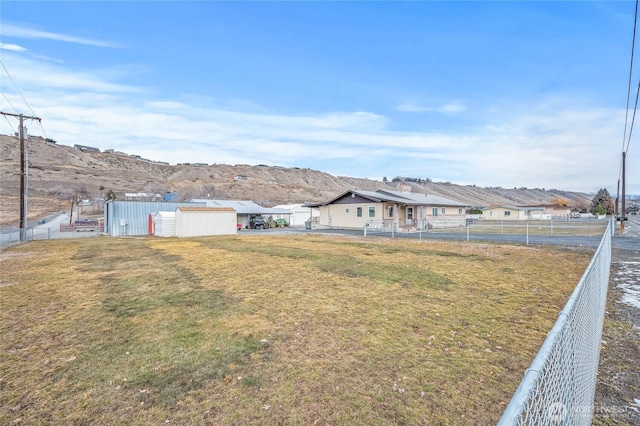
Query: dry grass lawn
{"points": [[272, 329]]}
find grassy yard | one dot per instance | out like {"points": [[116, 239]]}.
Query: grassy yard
{"points": [[272, 329]]}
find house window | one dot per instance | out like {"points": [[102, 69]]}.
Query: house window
{"points": [[346, 210], [372, 212], [460, 211], [507, 213], [443, 210], [434, 211], [390, 209], [359, 211], [409, 213]]}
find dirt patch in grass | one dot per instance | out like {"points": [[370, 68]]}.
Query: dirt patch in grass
{"points": [[273, 330]]}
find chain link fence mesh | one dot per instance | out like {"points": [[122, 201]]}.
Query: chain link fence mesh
{"points": [[559, 387]]}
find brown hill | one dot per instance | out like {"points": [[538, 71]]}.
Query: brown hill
{"points": [[58, 171]]}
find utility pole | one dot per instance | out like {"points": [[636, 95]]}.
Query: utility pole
{"points": [[615, 209], [624, 210], [23, 174]]}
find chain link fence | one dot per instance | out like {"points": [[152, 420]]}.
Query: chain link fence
{"points": [[559, 387]]}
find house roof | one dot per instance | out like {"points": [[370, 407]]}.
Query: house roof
{"points": [[518, 208], [425, 199], [242, 206], [406, 198], [550, 206]]}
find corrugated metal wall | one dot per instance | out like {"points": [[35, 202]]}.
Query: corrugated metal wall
{"points": [[132, 217], [202, 223]]}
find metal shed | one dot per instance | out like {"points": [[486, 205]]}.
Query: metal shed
{"points": [[203, 221], [132, 217], [164, 224]]}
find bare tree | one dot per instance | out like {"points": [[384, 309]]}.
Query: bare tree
{"points": [[156, 188]]}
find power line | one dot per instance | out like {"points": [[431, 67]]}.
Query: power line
{"points": [[635, 108], [9, 102], [621, 178], [626, 117], [10, 125], [23, 98], [633, 44], [16, 86], [42, 127]]}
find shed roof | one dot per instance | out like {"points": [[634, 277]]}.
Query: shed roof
{"points": [[205, 209], [242, 206]]}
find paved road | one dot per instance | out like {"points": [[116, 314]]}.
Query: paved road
{"points": [[50, 229], [629, 241]]}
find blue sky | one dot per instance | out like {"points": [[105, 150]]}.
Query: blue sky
{"points": [[489, 93]]}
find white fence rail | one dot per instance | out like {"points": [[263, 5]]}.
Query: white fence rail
{"points": [[559, 387]]}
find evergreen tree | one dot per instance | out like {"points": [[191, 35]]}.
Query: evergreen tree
{"points": [[111, 195], [601, 203]]}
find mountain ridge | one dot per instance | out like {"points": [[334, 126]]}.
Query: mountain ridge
{"points": [[57, 171]]}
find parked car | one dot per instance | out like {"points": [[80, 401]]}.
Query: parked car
{"points": [[86, 222], [86, 225], [258, 222]]}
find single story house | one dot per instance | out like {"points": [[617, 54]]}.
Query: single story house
{"points": [[511, 213], [551, 211], [402, 211]]}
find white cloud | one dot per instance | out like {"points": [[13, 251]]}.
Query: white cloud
{"points": [[448, 108], [551, 145], [12, 47], [47, 76], [19, 31]]}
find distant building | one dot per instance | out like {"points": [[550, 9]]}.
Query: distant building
{"points": [[550, 211], [142, 196], [511, 213], [171, 197], [85, 148]]}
